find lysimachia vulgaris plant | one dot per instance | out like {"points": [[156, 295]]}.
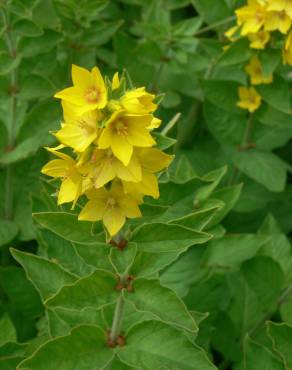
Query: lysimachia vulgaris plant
{"points": [[101, 258]]}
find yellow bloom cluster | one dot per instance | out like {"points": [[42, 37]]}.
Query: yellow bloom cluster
{"points": [[256, 21], [111, 160]]}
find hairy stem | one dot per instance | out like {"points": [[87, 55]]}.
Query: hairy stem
{"points": [[8, 207], [117, 319]]}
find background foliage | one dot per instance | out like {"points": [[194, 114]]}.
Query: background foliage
{"points": [[238, 285]]}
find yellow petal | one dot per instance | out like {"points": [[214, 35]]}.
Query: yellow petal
{"points": [[55, 168], [77, 138], [132, 172], [154, 160], [92, 211], [73, 95], [114, 219], [103, 174], [130, 207], [69, 191], [122, 149], [115, 81], [81, 77]]}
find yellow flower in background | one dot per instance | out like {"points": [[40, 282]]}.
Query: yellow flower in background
{"points": [[287, 50], [152, 160], [123, 132], [111, 206], [88, 91], [115, 81], [250, 99], [65, 168], [277, 20], [255, 72], [79, 130], [105, 167], [281, 6], [251, 17], [259, 40]]}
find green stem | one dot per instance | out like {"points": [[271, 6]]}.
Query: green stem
{"points": [[215, 24], [118, 318], [12, 128], [243, 146]]}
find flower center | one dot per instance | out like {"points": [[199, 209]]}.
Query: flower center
{"points": [[121, 128], [111, 203], [91, 95]]}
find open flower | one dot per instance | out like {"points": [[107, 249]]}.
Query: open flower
{"points": [[152, 160], [111, 206], [79, 130], [250, 99], [71, 177], [255, 72], [124, 131], [88, 91], [251, 17], [277, 20], [105, 167]]}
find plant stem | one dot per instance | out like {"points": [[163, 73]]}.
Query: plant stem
{"points": [[214, 25], [118, 317], [12, 128]]}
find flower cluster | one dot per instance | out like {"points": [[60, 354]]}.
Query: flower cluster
{"points": [[108, 148], [262, 22]]}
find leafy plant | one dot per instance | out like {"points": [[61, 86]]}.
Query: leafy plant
{"points": [[203, 279]]}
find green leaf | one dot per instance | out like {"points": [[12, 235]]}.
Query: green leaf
{"points": [[223, 94], [163, 142], [25, 27], [48, 277], [150, 296], [264, 167], [233, 249], [64, 253], [123, 259], [152, 345], [11, 354], [84, 348], [68, 227], [211, 10], [94, 290], [270, 59], [238, 52], [214, 177], [95, 255], [29, 47], [281, 335], [166, 238], [256, 354], [36, 87], [20, 291], [8, 231], [277, 94], [197, 220], [7, 330], [101, 32]]}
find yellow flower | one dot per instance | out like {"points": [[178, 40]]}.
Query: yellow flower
{"points": [[255, 72], [65, 168], [89, 91], [138, 101], [277, 20], [249, 98], [251, 17], [124, 131], [79, 130], [152, 160], [105, 167], [287, 50], [112, 207], [281, 5], [155, 123], [259, 40]]}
